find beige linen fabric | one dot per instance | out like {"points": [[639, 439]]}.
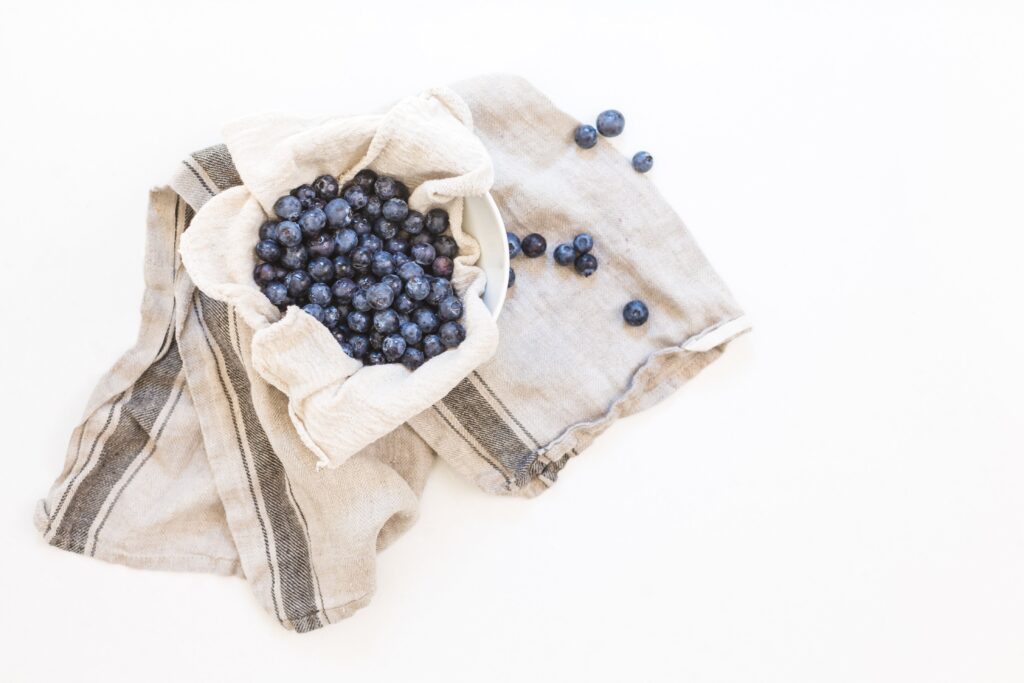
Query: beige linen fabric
{"points": [[427, 141]]}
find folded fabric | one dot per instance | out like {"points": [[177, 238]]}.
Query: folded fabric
{"points": [[187, 457]]}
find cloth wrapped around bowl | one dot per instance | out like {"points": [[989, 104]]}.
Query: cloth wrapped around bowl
{"points": [[338, 405]]}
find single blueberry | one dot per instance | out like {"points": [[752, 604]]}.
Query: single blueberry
{"points": [[385, 322], [364, 179], [393, 347], [321, 245], [401, 258], [268, 231], [277, 292], [288, 208], [305, 194], [366, 281], [343, 267], [583, 243], [585, 135], [326, 187], [432, 346], [564, 254], [295, 258], [360, 301], [380, 296], [450, 309], [320, 293], [396, 245], [321, 269], [269, 250], [343, 290], [643, 162], [534, 245], [360, 345], [610, 123], [312, 221], [515, 246], [361, 225], [511, 277], [289, 233], [426, 319], [393, 281], [412, 358], [338, 213], [298, 282], [375, 358], [586, 265], [443, 267], [445, 245], [382, 264], [404, 304], [423, 253], [411, 333], [373, 207], [385, 229], [635, 313], [409, 270], [361, 258], [395, 210], [440, 289], [371, 242], [315, 310], [413, 223], [355, 196], [417, 287], [345, 240], [436, 221], [452, 334], [332, 316], [358, 321], [264, 273], [345, 346], [385, 187]]}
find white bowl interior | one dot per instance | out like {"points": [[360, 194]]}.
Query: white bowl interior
{"points": [[483, 222]]}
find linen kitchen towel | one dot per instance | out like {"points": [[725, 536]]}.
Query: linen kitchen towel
{"points": [[188, 459]]}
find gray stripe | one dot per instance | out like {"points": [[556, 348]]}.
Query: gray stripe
{"points": [[504, 407], [487, 427], [149, 396], [219, 165], [293, 561], [199, 178], [486, 457]]}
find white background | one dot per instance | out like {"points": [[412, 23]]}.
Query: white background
{"points": [[837, 499]]}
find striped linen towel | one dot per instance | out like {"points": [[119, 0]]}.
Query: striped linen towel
{"points": [[187, 460]]}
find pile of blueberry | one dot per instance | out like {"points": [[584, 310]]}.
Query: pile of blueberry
{"points": [[609, 124], [376, 273]]}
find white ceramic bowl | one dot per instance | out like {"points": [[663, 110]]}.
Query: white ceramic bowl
{"points": [[483, 222]]}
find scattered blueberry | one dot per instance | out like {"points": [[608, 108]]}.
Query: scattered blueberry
{"points": [[635, 313], [511, 277], [288, 208], [643, 162], [534, 245], [586, 264], [583, 243], [610, 123], [585, 135], [515, 246], [564, 254]]}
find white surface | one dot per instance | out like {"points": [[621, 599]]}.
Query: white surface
{"points": [[482, 220], [837, 499]]}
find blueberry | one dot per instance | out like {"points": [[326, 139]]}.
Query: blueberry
{"points": [[436, 221], [393, 281], [426, 319], [288, 208], [385, 322], [343, 290], [450, 309], [360, 345], [315, 310], [409, 270], [371, 242], [440, 289], [305, 194], [295, 258], [268, 231], [385, 187], [395, 210], [312, 221], [396, 245], [404, 304], [585, 135], [361, 258], [345, 346], [583, 243], [534, 245], [264, 273], [326, 187], [343, 267], [452, 334], [511, 277], [345, 240], [338, 213], [281, 272], [277, 292], [321, 245], [643, 162], [375, 358], [382, 264], [358, 321], [380, 296], [417, 287], [269, 250], [445, 245], [361, 225], [401, 258], [366, 281], [393, 347], [635, 313], [411, 333], [515, 246], [384, 228], [423, 253], [376, 340], [355, 196], [360, 301], [289, 233], [586, 265], [443, 267], [412, 358], [610, 123], [321, 269], [564, 254], [422, 238], [320, 293], [372, 208], [413, 223], [332, 316], [432, 346], [364, 179]]}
